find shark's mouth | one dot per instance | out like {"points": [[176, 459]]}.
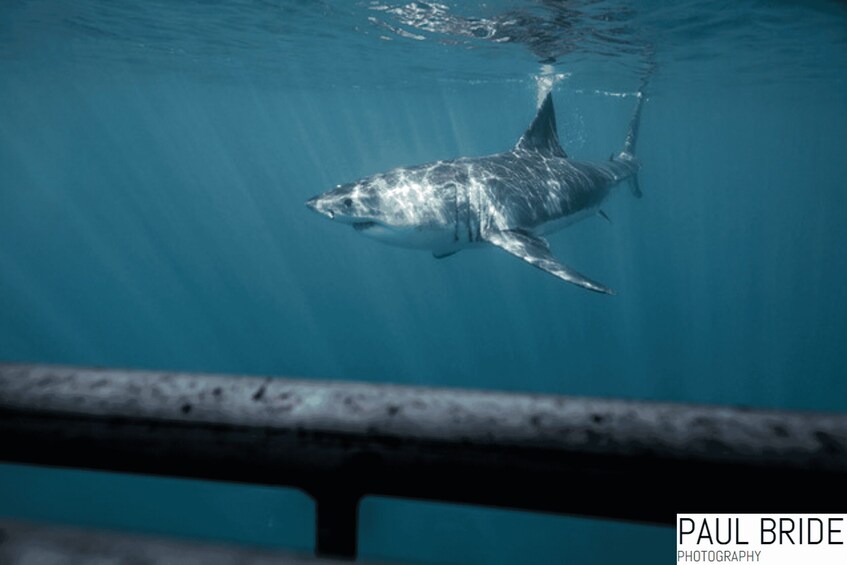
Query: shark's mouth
{"points": [[362, 226]]}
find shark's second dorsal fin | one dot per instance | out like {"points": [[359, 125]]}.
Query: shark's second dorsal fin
{"points": [[541, 134]]}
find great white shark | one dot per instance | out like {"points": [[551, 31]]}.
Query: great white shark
{"points": [[509, 200]]}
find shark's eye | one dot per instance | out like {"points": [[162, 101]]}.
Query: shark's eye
{"points": [[348, 202]]}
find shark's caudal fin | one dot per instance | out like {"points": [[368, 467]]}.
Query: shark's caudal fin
{"points": [[632, 134], [541, 134], [628, 153]]}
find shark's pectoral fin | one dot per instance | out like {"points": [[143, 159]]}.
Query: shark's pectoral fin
{"points": [[443, 254], [535, 251]]}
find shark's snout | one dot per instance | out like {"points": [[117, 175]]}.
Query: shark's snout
{"points": [[316, 205]]}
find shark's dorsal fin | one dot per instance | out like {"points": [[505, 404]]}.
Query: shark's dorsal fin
{"points": [[541, 134]]}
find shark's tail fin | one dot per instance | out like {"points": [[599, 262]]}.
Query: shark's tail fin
{"points": [[628, 153], [632, 134]]}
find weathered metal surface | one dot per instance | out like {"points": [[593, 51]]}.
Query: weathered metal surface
{"points": [[31, 544], [595, 457], [608, 427]]}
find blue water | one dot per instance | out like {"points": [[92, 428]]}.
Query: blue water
{"points": [[154, 160]]}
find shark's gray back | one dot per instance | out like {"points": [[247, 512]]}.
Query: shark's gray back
{"points": [[511, 190], [529, 190]]}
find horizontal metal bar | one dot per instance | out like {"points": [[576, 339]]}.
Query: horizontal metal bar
{"points": [[26, 544], [595, 457]]}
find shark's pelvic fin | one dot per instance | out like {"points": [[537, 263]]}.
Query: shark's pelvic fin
{"points": [[442, 255], [535, 251], [542, 135], [604, 215]]}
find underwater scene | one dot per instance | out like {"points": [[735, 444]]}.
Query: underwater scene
{"points": [[422, 193]]}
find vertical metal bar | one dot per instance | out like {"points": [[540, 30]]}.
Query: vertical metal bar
{"points": [[337, 527]]}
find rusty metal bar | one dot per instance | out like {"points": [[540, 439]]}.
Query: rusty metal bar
{"points": [[591, 457], [27, 544]]}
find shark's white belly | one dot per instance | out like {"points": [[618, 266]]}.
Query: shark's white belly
{"points": [[431, 239]]}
